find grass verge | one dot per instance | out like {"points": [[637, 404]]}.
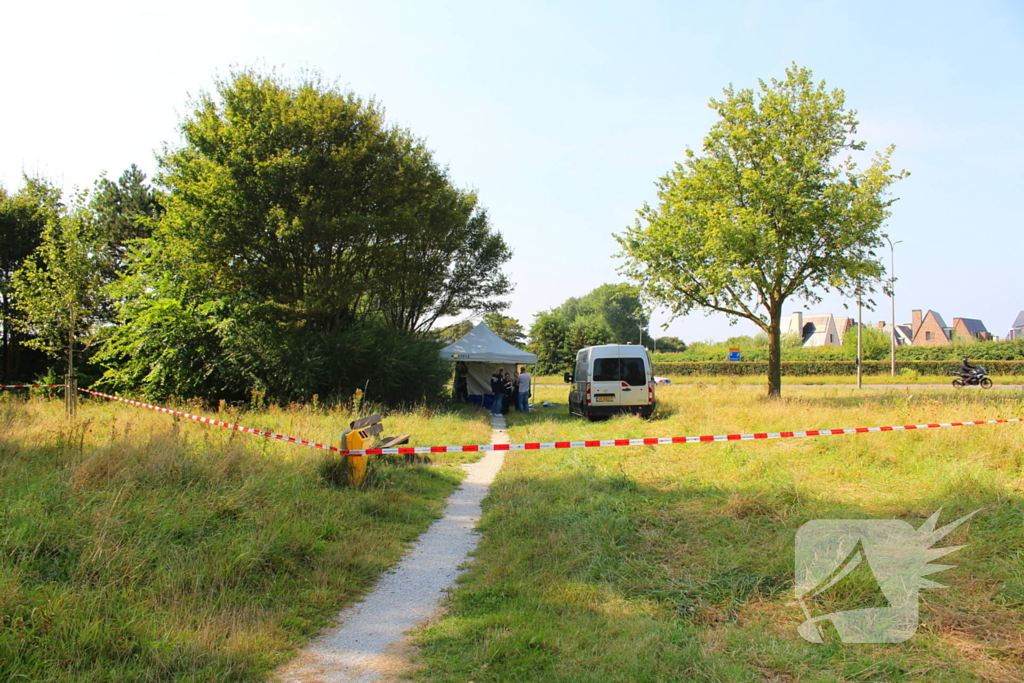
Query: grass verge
{"points": [[757, 380], [677, 562], [138, 547]]}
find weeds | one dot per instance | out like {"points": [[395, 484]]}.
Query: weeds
{"points": [[138, 547], [677, 562]]}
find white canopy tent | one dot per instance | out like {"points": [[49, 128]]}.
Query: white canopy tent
{"points": [[484, 352]]}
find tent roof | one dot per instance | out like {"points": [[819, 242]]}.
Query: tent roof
{"points": [[482, 345]]}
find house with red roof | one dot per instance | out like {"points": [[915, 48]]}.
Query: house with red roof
{"points": [[931, 330]]}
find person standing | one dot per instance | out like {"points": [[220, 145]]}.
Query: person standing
{"points": [[461, 382], [507, 404], [524, 391], [515, 390], [497, 390]]}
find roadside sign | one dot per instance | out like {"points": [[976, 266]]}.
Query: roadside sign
{"points": [[734, 353]]}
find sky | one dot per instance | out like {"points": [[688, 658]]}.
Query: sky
{"points": [[562, 116]]}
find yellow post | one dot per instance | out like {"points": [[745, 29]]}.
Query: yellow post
{"points": [[356, 440]]}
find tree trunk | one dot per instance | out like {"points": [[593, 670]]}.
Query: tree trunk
{"points": [[775, 351], [69, 394]]}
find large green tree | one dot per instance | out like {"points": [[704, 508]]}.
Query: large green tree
{"points": [[23, 216], [621, 309], [305, 246], [773, 207], [609, 314], [507, 328], [301, 194]]}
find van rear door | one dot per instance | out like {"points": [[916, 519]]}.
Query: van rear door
{"points": [[605, 386], [620, 381], [633, 380]]}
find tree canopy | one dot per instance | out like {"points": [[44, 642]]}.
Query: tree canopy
{"points": [[767, 211], [506, 328], [874, 343], [303, 245], [670, 344], [22, 219], [124, 210], [609, 314]]}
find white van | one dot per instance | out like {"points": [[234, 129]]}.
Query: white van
{"points": [[609, 379]]}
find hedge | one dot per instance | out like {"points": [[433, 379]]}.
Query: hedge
{"points": [[839, 367], [984, 352]]}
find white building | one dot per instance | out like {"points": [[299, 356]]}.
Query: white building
{"points": [[814, 330]]}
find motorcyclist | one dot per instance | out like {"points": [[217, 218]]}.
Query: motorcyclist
{"points": [[966, 369]]}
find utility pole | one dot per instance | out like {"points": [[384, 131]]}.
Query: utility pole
{"points": [[860, 354], [892, 298]]}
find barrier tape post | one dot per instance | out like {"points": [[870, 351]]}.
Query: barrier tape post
{"points": [[352, 440]]}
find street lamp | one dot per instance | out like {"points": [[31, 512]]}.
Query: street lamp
{"points": [[892, 298], [639, 320]]}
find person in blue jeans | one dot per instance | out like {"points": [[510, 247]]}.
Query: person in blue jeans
{"points": [[524, 391], [498, 383]]}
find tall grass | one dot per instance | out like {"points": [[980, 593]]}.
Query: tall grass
{"points": [[139, 547], [677, 562], [908, 377]]}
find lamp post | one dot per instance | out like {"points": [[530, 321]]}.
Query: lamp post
{"points": [[892, 298], [639, 321], [860, 348]]}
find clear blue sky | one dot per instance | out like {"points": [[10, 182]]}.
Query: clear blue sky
{"points": [[562, 115]]}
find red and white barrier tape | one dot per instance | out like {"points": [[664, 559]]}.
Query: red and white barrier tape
{"points": [[29, 386], [665, 440], [219, 423], [546, 445]]}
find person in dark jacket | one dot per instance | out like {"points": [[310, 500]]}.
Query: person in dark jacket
{"points": [[497, 390], [507, 403], [461, 382]]}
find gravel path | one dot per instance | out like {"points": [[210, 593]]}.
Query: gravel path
{"points": [[369, 645]]}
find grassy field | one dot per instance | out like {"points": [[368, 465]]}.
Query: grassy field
{"points": [[138, 547], [676, 563], [945, 380]]}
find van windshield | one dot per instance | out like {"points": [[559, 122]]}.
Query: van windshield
{"points": [[628, 370]]}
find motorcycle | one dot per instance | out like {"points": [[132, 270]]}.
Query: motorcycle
{"points": [[977, 377]]}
